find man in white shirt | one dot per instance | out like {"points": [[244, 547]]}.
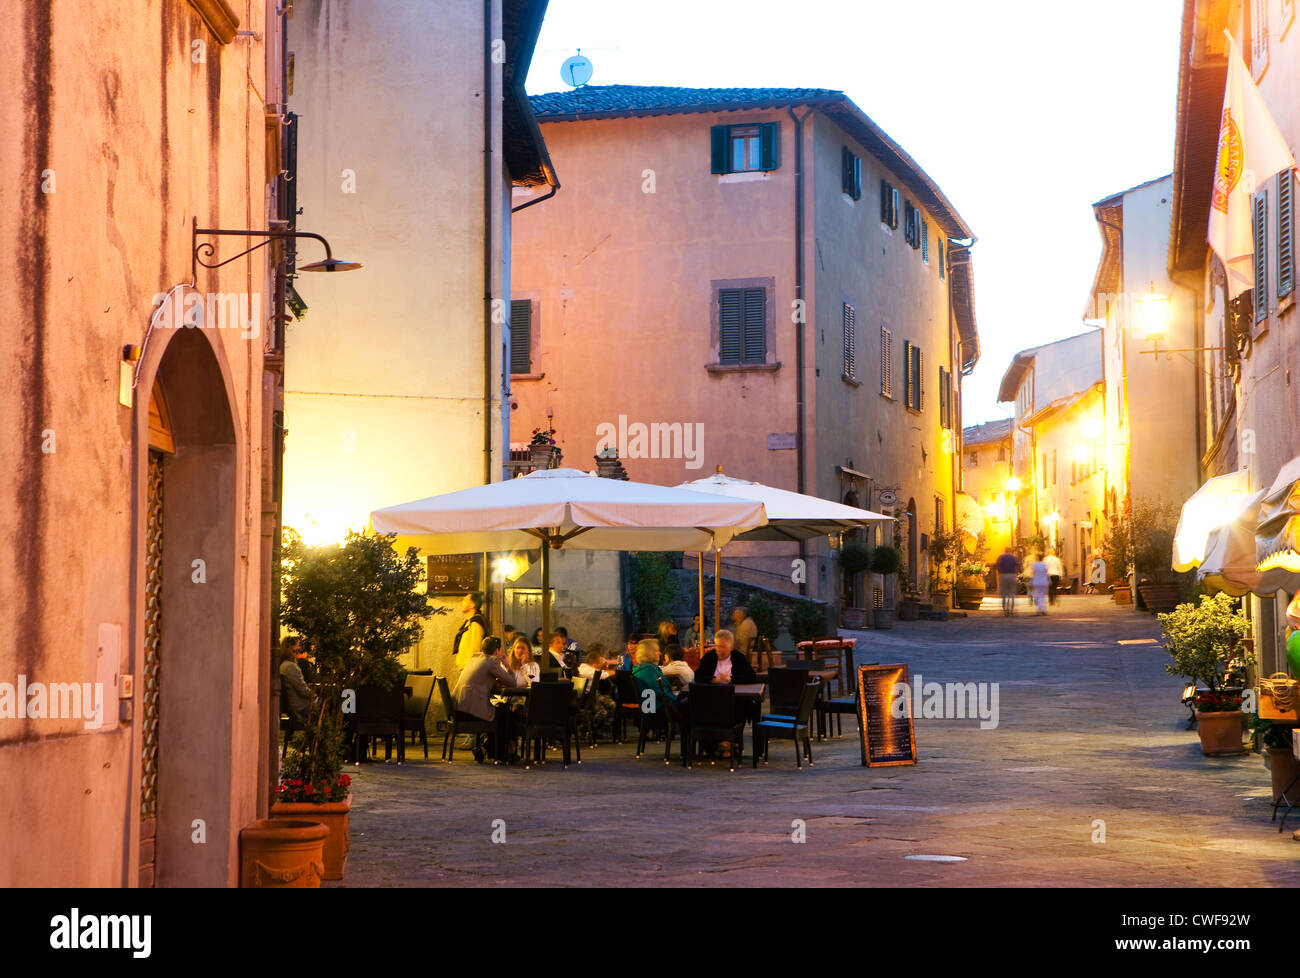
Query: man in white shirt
{"points": [[678, 672], [1055, 572]]}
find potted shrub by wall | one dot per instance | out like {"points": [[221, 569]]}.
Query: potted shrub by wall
{"points": [[1275, 745], [970, 585], [1204, 640], [946, 552], [855, 558], [358, 607], [1152, 528], [885, 561], [807, 621], [1117, 551], [542, 448]]}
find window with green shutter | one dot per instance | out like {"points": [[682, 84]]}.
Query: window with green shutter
{"points": [[521, 339], [945, 398], [1285, 233], [938, 254], [888, 204], [1260, 230], [742, 321], [913, 373], [738, 149], [851, 173], [850, 343], [925, 241]]}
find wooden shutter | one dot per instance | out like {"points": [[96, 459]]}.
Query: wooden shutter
{"points": [[938, 253], [925, 240], [945, 400], [1285, 233], [731, 325], [1261, 255], [857, 177], [719, 145], [850, 342], [521, 338], [884, 202], [769, 145], [886, 379], [909, 380], [755, 337], [919, 374], [846, 170]]}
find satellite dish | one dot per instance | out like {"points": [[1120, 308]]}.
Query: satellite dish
{"points": [[576, 71]]}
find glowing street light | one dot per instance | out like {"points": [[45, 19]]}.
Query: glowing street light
{"points": [[1153, 314]]}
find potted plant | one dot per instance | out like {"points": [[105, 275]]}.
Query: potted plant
{"points": [[1151, 529], [358, 606], [1117, 551], [807, 621], [945, 553], [854, 559], [970, 585], [1204, 640], [281, 853], [1274, 741], [886, 561], [542, 448]]}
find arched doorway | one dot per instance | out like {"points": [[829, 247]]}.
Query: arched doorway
{"points": [[188, 653]]}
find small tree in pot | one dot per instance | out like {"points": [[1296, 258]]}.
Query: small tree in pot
{"points": [[358, 607], [854, 559], [1204, 640], [1151, 530]]}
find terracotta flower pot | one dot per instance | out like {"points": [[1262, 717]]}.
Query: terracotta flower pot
{"points": [[1220, 732], [282, 853], [1283, 768], [335, 816], [1160, 598], [970, 593], [882, 618], [909, 609], [854, 617], [1123, 594]]}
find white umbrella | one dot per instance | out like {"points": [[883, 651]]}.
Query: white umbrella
{"points": [[1219, 501], [791, 516], [570, 509]]}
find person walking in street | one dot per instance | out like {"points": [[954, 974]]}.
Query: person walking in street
{"points": [[1038, 583], [1055, 572], [1008, 575]]}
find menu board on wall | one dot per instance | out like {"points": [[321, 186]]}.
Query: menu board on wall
{"points": [[454, 573], [887, 732]]}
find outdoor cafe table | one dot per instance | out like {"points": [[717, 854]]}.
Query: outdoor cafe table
{"points": [[842, 647]]}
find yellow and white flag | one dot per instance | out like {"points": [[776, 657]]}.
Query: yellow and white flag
{"points": [[1251, 149]]}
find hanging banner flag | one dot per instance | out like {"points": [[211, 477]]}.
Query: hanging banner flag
{"points": [[1251, 149]]}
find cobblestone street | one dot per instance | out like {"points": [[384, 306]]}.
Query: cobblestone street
{"points": [[1090, 729]]}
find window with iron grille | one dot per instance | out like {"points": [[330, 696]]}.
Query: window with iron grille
{"points": [[851, 173], [886, 377], [742, 321], [850, 343], [521, 325]]}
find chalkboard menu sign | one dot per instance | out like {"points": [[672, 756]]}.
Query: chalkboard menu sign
{"points": [[454, 573], [887, 739]]}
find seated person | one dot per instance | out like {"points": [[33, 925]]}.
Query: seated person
{"points": [[561, 656], [691, 639], [526, 670], [569, 644], [595, 666], [296, 693], [537, 642], [628, 659], [649, 676], [473, 694], [679, 674], [725, 664]]}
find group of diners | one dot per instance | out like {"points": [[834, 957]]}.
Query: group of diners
{"points": [[657, 663]]}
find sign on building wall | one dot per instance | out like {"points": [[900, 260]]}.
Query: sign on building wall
{"points": [[454, 573], [779, 441]]}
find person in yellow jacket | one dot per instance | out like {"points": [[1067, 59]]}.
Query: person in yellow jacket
{"points": [[469, 639]]}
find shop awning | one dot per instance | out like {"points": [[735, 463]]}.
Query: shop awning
{"points": [[1277, 537], [1215, 504], [1229, 559]]}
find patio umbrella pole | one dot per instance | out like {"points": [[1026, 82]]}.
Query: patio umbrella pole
{"points": [[546, 600], [699, 563], [717, 592]]}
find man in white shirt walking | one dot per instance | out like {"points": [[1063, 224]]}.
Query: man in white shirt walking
{"points": [[1055, 573]]}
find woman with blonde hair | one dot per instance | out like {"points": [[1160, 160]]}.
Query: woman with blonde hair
{"points": [[526, 670]]}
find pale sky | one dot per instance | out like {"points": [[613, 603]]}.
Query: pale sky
{"points": [[1024, 112]]}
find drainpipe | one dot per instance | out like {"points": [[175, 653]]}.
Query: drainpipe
{"points": [[800, 451], [488, 210]]}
